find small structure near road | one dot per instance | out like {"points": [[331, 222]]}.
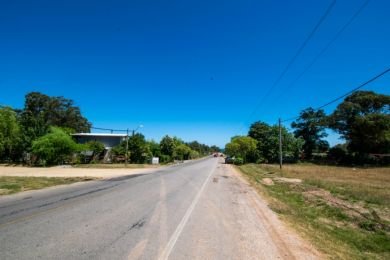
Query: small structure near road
{"points": [[108, 140], [155, 160]]}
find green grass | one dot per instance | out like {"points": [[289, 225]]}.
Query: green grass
{"points": [[337, 231], [10, 184]]}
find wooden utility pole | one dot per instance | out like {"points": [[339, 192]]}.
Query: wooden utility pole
{"points": [[127, 146], [280, 144]]}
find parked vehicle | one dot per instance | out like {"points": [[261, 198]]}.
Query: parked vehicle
{"points": [[229, 159]]}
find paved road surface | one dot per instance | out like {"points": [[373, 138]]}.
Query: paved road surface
{"points": [[198, 210]]}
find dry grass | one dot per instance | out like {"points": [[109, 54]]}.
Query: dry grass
{"points": [[371, 185], [344, 211]]}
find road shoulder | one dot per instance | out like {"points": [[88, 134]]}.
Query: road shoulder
{"points": [[232, 221]]}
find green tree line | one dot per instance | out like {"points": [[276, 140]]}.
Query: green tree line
{"points": [[40, 133], [362, 120], [168, 149]]}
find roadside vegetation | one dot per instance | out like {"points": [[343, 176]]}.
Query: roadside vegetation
{"points": [[338, 197], [362, 120], [11, 184], [40, 135], [344, 211]]}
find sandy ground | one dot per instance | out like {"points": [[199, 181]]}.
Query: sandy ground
{"points": [[70, 172]]}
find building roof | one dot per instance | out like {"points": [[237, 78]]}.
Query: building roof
{"points": [[99, 134]]}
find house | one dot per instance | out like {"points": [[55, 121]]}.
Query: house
{"points": [[108, 140]]}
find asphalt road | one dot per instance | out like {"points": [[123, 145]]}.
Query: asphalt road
{"points": [[197, 210]]}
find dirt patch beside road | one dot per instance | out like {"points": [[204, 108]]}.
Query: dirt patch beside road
{"points": [[69, 172]]}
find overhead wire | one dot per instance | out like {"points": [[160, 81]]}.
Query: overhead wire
{"points": [[292, 60], [109, 129], [326, 47], [346, 94]]}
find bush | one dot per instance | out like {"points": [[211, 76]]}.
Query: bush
{"points": [[55, 147], [238, 161], [165, 158], [95, 146]]}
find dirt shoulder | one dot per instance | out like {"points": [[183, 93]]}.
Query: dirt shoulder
{"points": [[344, 212], [69, 172], [288, 242]]}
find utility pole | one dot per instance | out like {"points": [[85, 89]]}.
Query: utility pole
{"points": [[127, 145], [280, 144], [127, 140]]}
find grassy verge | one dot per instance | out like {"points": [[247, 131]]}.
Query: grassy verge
{"points": [[10, 185], [345, 212]]}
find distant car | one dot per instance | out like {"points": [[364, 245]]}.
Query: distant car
{"points": [[215, 155], [229, 159]]}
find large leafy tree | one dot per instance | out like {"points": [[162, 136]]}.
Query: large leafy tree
{"points": [[363, 120], [310, 126], [10, 135], [267, 138], [41, 112], [244, 147]]}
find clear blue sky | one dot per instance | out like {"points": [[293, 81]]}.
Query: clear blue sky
{"points": [[195, 69]]}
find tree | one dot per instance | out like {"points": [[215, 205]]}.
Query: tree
{"points": [[182, 152], [215, 149], [139, 149], [310, 126], [10, 135], [202, 149], [154, 148], [167, 145], [55, 147], [363, 120], [267, 138], [41, 112], [244, 147]]}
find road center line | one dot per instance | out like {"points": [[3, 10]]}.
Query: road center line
{"points": [[173, 239]]}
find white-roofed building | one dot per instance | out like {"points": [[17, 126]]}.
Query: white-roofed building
{"points": [[109, 140]]}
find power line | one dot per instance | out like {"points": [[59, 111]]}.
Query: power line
{"points": [[336, 36], [109, 129], [346, 94], [289, 64]]}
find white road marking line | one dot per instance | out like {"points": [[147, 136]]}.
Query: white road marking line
{"points": [[172, 241]]}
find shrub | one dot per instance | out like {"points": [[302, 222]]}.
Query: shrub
{"points": [[54, 147], [95, 146], [165, 158], [238, 161]]}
